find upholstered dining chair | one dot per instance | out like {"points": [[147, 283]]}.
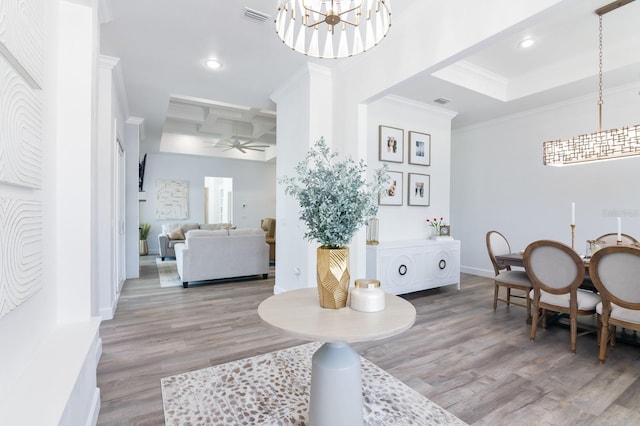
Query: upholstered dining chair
{"points": [[497, 244], [615, 272], [612, 239], [556, 272]]}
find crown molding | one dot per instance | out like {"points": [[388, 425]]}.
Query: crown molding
{"points": [[139, 122], [308, 70], [118, 81], [563, 105]]}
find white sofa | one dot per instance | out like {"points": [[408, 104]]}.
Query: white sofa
{"points": [[210, 255], [174, 233]]}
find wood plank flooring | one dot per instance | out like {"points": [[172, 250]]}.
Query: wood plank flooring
{"points": [[476, 363]]}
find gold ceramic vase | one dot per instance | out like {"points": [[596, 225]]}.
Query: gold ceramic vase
{"points": [[333, 276], [144, 248]]}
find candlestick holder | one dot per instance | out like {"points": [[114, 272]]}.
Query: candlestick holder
{"points": [[573, 235]]}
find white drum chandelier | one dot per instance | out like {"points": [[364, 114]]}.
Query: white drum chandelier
{"points": [[332, 28]]}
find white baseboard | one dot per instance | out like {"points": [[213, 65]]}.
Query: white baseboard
{"points": [[477, 271], [94, 411], [107, 313]]}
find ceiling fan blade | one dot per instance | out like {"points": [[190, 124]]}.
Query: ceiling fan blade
{"points": [[251, 142], [253, 148]]}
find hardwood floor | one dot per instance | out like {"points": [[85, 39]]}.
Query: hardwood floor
{"points": [[476, 363]]}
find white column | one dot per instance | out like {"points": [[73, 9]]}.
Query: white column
{"points": [[304, 115], [77, 47]]}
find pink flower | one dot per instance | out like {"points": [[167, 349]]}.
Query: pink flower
{"points": [[435, 222]]}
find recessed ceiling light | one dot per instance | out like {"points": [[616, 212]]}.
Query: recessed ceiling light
{"points": [[213, 63], [527, 42]]}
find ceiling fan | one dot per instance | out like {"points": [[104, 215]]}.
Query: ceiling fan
{"points": [[240, 145]]}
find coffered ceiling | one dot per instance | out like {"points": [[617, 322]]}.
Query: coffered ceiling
{"points": [[187, 108], [203, 127]]}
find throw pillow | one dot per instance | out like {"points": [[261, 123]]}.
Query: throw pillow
{"points": [[176, 234]]}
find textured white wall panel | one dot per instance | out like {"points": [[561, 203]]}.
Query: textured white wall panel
{"points": [[21, 129], [21, 37], [20, 252]]}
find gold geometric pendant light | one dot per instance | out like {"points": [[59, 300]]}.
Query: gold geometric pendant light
{"points": [[603, 144]]}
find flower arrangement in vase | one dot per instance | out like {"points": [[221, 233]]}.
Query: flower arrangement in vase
{"points": [[435, 224], [336, 200]]}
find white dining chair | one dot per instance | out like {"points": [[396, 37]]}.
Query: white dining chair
{"points": [[556, 272], [615, 272], [612, 239]]}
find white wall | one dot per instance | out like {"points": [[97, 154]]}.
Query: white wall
{"points": [[498, 180], [253, 189], [408, 222], [50, 344]]}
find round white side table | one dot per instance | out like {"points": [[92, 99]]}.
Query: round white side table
{"points": [[336, 382]]}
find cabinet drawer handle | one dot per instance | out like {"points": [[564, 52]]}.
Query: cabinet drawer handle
{"points": [[402, 270], [442, 264]]}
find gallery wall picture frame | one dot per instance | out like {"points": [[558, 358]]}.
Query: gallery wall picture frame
{"points": [[418, 189], [391, 144], [392, 193], [419, 148]]}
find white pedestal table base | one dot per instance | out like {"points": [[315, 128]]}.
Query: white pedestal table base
{"points": [[336, 386]]}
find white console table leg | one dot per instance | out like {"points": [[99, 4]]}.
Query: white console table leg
{"points": [[336, 386]]}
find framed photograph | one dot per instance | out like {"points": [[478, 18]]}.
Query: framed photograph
{"points": [[392, 194], [419, 192], [419, 148], [391, 144]]}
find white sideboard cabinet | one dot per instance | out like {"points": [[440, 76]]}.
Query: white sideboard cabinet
{"points": [[413, 265]]}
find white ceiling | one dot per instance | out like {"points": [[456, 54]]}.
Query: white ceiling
{"points": [[162, 45]]}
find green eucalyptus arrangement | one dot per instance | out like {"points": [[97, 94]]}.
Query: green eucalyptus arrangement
{"points": [[334, 196]]}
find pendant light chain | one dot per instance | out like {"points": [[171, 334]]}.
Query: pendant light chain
{"points": [[600, 102]]}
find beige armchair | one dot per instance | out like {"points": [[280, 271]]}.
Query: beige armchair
{"points": [[268, 225]]}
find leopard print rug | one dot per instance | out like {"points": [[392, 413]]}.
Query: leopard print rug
{"points": [[273, 389]]}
